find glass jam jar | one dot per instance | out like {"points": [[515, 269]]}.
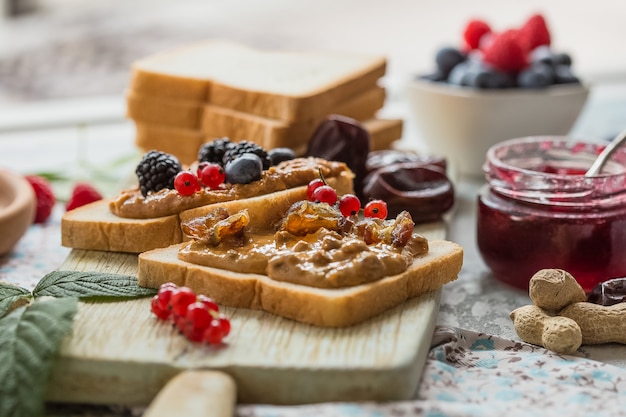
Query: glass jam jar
{"points": [[538, 211]]}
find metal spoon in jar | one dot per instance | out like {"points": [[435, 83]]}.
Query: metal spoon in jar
{"points": [[604, 156]]}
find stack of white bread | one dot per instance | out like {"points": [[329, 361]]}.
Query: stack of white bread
{"points": [[181, 98]]}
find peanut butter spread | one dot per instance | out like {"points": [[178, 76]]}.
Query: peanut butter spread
{"points": [[288, 174], [339, 253]]}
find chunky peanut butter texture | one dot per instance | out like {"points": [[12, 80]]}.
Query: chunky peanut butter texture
{"points": [[289, 174], [341, 253]]}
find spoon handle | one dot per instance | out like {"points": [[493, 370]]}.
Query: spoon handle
{"points": [[604, 156]]}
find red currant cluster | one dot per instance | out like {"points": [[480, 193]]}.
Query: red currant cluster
{"points": [[196, 316], [349, 204], [209, 175]]}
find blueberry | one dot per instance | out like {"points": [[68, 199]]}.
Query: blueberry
{"points": [[243, 170], [562, 59], [488, 78], [447, 58], [542, 54], [539, 75], [278, 155], [458, 73], [564, 75]]}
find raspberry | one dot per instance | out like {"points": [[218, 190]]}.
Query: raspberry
{"points": [[474, 31], [214, 151], [83, 193], [505, 53], [534, 33], [156, 171], [45, 197]]}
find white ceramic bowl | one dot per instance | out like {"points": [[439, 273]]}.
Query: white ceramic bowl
{"points": [[17, 209], [462, 123]]}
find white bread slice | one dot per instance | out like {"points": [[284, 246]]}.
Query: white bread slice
{"points": [[317, 306], [184, 143], [271, 133], [285, 85], [221, 121], [94, 227]]}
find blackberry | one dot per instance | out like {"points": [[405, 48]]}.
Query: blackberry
{"points": [[246, 147], [214, 151], [156, 171]]}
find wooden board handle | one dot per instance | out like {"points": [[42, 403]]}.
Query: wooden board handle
{"points": [[195, 393]]}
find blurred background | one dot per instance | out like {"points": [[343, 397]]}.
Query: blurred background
{"points": [[64, 64]]}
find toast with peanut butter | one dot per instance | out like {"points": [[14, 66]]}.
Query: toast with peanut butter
{"points": [[135, 221], [308, 263]]}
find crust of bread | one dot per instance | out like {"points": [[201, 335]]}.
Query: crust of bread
{"points": [[285, 85], [317, 306], [94, 227]]}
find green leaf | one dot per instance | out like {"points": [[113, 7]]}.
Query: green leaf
{"points": [[29, 341], [90, 285], [9, 294]]}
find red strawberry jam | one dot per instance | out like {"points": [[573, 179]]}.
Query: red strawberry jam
{"points": [[539, 211]]}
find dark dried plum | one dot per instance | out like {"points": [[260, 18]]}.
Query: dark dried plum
{"points": [[424, 191], [384, 158], [608, 292], [340, 138]]}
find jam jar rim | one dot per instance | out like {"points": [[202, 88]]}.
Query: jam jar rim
{"points": [[584, 190]]}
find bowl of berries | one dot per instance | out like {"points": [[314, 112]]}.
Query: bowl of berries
{"points": [[496, 86]]}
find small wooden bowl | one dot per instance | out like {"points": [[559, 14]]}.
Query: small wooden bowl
{"points": [[17, 209]]}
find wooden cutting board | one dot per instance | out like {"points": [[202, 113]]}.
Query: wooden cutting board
{"points": [[119, 353]]}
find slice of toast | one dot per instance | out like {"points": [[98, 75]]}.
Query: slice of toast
{"points": [[94, 227], [317, 306], [284, 85], [383, 132], [228, 122]]}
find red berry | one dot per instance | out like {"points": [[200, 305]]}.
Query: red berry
{"points": [[505, 53], [201, 166], [224, 325], [158, 310], [209, 303], [212, 175], [180, 300], [180, 323], [44, 195], [314, 185], [349, 205], [198, 316], [213, 334], [376, 209], [474, 31], [186, 183], [534, 33], [165, 294], [324, 194], [82, 194]]}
